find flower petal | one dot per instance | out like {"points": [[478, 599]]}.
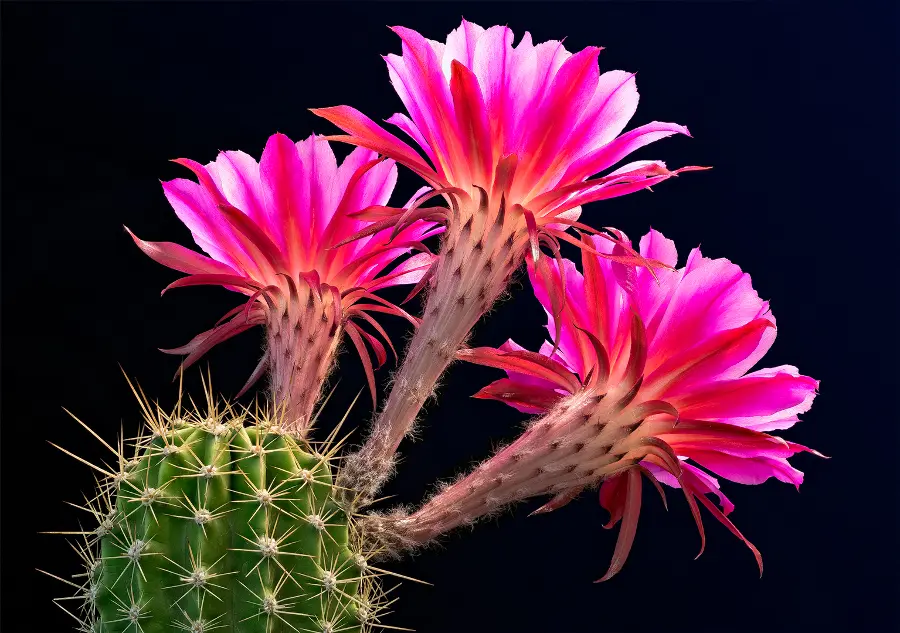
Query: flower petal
{"points": [[364, 132], [180, 258], [780, 394], [608, 155], [527, 398]]}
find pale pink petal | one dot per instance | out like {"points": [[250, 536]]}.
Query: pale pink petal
{"points": [[430, 89], [237, 175], [210, 230], [713, 295], [550, 57], [493, 65], [517, 94], [611, 107], [608, 155], [374, 187], [461, 44], [765, 424], [655, 245], [748, 470], [783, 393], [423, 126], [653, 290], [319, 165], [751, 396]]}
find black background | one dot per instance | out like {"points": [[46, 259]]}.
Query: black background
{"points": [[793, 104]]}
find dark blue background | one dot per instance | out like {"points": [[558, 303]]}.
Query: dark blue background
{"points": [[795, 105]]}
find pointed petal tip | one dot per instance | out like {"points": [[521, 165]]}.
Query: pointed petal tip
{"points": [[594, 51], [799, 448]]}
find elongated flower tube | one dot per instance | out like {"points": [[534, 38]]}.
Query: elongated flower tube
{"points": [[511, 137], [267, 229], [646, 378]]}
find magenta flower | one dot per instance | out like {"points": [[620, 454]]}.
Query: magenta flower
{"points": [[528, 123], [648, 377], [511, 137], [268, 229]]}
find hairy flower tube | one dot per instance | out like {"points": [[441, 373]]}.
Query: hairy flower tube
{"points": [[511, 138], [648, 377], [268, 229]]}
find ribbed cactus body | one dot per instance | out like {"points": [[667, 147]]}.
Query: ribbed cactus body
{"points": [[220, 526]]}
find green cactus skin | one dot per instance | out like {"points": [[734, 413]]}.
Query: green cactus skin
{"points": [[223, 523]]}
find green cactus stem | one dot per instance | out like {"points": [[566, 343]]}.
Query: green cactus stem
{"points": [[222, 522]]}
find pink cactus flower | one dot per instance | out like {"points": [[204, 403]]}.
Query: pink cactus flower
{"points": [[648, 376], [511, 137], [268, 229]]}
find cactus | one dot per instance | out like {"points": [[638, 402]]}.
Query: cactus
{"points": [[224, 522], [233, 520]]}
